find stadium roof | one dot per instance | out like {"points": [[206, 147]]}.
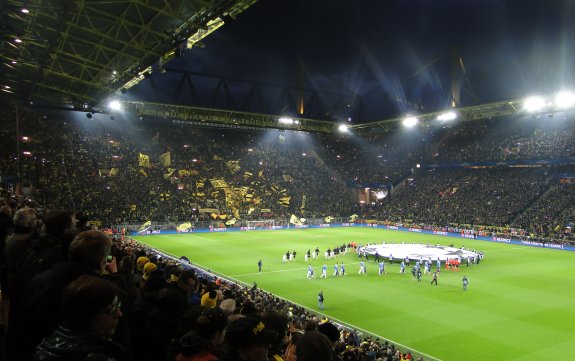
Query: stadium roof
{"points": [[78, 52], [362, 62]]}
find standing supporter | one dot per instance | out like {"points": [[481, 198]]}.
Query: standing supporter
{"points": [[204, 341], [279, 323], [36, 316], [90, 313], [209, 299], [333, 334], [186, 285], [18, 244], [291, 349], [57, 232]]}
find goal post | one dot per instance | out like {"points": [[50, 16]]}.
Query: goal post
{"points": [[261, 224]]}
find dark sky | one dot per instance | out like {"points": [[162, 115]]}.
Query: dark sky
{"points": [[402, 48]]}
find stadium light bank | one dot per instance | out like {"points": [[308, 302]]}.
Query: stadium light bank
{"points": [[563, 100], [410, 121]]}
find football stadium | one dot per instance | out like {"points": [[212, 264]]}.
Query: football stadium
{"points": [[287, 180]]}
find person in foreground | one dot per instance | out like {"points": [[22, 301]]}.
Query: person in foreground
{"points": [[90, 313]]}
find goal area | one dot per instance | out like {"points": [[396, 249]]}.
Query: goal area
{"points": [[261, 224]]}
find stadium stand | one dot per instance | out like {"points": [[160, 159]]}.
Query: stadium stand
{"points": [[124, 173]]}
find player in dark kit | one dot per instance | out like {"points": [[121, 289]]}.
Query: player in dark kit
{"points": [[434, 280]]}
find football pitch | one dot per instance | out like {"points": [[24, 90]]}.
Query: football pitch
{"points": [[519, 305]]}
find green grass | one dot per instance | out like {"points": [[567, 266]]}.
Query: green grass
{"points": [[520, 303]]}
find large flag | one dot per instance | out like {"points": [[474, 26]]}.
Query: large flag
{"points": [[303, 199], [215, 157], [184, 227], [145, 225], [143, 160], [295, 220], [231, 222], [166, 159]]}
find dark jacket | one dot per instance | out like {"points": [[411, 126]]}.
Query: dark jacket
{"points": [[69, 345]]}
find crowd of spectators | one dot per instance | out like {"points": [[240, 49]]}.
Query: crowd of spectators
{"points": [[92, 165], [73, 293]]}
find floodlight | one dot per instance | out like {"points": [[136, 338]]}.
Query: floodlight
{"points": [[284, 120], [534, 104], [343, 128], [447, 116], [565, 99], [410, 122], [115, 105]]}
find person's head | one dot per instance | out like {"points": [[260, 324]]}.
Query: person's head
{"points": [[279, 323], [141, 262], [59, 222], [331, 331], [211, 325], [6, 210], [248, 339], [314, 346], [26, 219], [148, 269], [228, 306], [91, 248], [91, 304], [187, 280]]}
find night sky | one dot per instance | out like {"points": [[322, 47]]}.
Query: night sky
{"points": [[401, 48]]}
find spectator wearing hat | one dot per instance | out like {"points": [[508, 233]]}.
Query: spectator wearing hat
{"points": [[90, 313], [148, 269], [209, 299], [139, 272], [203, 342], [247, 339]]}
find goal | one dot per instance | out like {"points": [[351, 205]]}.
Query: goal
{"points": [[261, 224]]}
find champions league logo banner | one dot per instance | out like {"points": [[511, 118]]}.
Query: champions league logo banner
{"points": [[419, 251]]}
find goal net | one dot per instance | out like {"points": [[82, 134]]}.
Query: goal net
{"points": [[261, 224]]}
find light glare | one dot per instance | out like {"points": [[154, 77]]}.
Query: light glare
{"points": [[565, 99], [115, 105], [410, 122], [534, 104], [444, 117]]}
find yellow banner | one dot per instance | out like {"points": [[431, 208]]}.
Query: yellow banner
{"points": [[143, 160], [166, 159]]}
